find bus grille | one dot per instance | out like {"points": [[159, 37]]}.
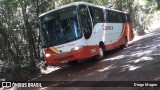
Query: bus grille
{"points": [[64, 58]]}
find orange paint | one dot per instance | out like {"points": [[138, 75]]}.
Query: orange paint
{"points": [[129, 31], [82, 53]]}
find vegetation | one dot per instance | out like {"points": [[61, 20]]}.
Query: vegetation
{"points": [[19, 43]]}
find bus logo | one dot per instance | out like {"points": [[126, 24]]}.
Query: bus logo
{"points": [[107, 27]]}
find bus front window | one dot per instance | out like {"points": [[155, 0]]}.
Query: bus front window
{"points": [[60, 27]]}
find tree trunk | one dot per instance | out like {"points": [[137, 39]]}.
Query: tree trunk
{"points": [[29, 34], [8, 46]]}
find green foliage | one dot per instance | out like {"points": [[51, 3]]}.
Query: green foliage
{"points": [[158, 3], [19, 73], [14, 37]]}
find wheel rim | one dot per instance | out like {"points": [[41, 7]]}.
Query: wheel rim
{"points": [[101, 53]]}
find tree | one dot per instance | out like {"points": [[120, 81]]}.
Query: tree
{"points": [[158, 2], [18, 19]]}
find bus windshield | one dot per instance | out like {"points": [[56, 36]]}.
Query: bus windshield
{"points": [[60, 27]]}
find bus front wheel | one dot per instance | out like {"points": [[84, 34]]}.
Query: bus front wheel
{"points": [[100, 56]]}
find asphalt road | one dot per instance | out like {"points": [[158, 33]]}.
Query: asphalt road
{"points": [[140, 61]]}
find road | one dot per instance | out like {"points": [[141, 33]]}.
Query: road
{"points": [[140, 61]]}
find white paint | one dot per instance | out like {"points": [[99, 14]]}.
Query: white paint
{"points": [[67, 47], [76, 4], [107, 36]]}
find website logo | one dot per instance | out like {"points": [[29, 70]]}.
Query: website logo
{"points": [[6, 84]]}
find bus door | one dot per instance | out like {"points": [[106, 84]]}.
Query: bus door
{"points": [[86, 25]]}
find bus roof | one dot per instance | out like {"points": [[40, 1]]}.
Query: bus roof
{"points": [[76, 4]]}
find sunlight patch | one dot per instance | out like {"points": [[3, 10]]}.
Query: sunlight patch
{"points": [[49, 69], [143, 59], [157, 54], [130, 67], [44, 88], [114, 58], [89, 74], [142, 47], [136, 38], [141, 53], [106, 68], [155, 24]]}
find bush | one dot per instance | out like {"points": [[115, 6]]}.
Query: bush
{"points": [[19, 73]]}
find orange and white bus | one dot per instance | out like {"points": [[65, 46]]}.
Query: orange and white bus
{"points": [[81, 30]]}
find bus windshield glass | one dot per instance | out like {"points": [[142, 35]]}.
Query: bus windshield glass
{"points": [[59, 27]]}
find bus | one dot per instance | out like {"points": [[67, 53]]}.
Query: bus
{"points": [[82, 30]]}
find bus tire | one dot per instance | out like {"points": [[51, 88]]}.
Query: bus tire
{"points": [[73, 63], [125, 44], [126, 41], [100, 56]]}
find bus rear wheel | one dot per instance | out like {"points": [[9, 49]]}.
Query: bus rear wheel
{"points": [[126, 41], [125, 44]]}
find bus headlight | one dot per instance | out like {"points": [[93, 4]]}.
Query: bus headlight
{"points": [[76, 48], [47, 55]]}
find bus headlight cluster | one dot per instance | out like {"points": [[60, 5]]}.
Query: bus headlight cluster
{"points": [[76, 48], [47, 55]]}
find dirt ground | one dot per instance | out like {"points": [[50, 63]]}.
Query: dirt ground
{"points": [[140, 61]]}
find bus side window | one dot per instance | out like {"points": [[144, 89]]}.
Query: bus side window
{"points": [[107, 17], [119, 18], [124, 18], [112, 17], [97, 14], [85, 20], [128, 18]]}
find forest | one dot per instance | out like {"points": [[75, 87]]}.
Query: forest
{"points": [[20, 48]]}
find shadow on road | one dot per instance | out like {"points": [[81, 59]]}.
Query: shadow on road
{"points": [[140, 61]]}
